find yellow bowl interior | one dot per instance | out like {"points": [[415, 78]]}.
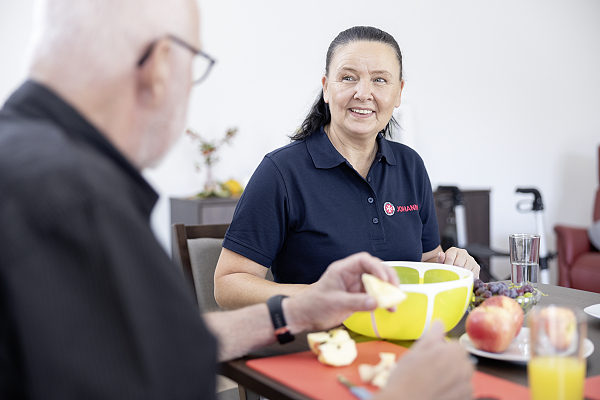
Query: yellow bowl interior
{"points": [[434, 291]]}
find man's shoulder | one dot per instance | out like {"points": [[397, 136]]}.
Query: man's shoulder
{"points": [[37, 158]]}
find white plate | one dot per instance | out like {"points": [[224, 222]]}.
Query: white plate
{"points": [[518, 351], [594, 310]]}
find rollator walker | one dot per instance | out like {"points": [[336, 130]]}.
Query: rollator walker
{"points": [[455, 232]]}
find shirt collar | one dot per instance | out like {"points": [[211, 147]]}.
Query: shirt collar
{"points": [[385, 151], [325, 156], [35, 100]]}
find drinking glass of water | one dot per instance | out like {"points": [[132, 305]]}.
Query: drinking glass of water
{"points": [[524, 259]]}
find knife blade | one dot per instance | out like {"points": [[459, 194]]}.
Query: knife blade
{"points": [[360, 392]]}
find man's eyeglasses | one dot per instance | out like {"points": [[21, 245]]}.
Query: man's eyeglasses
{"points": [[201, 64]]}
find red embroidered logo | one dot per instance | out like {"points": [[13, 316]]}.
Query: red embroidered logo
{"points": [[412, 207], [389, 208]]}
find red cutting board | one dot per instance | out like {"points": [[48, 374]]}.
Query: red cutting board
{"points": [[305, 374]]}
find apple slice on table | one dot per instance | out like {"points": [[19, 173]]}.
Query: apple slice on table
{"points": [[316, 339], [491, 328], [379, 374], [386, 294], [335, 348]]}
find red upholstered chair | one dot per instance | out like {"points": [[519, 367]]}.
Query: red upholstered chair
{"points": [[578, 260]]}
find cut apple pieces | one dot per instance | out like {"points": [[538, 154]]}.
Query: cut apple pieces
{"points": [[381, 379], [378, 375], [335, 348], [366, 372], [338, 354], [386, 294]]}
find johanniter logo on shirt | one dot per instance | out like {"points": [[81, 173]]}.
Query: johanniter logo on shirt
{"points": [[389, 208]]}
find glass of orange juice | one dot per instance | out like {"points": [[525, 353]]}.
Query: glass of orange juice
{"points": [[556, 370]]}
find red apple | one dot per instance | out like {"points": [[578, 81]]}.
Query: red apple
{"points": [[512, 306], [560, 325], [490, 328]]}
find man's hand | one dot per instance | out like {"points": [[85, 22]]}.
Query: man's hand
{"points": [[433, 369], [459, 258], [339, 293]]}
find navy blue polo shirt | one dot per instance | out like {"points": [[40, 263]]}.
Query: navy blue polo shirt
{"points": [[306, 206]]}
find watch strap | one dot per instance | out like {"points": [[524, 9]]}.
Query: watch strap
{"points": [[275, 309]]}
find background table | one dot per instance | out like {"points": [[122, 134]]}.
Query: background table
{"points": [[259, 383]]}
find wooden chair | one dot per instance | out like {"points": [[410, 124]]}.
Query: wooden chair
{"points": [[197, 252]]}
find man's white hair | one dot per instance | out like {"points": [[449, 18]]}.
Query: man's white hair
{"points": [[89, 40]]}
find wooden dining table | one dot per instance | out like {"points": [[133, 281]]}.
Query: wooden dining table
{"points": [[251, 379]]}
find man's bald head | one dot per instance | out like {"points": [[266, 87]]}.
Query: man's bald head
{"points": [[94, 39], [88, 52]]}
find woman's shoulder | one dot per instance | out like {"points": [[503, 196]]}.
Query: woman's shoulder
{"points": [[288, 152], [404, 152]]}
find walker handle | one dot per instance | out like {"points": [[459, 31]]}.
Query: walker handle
{"points": [[537, 200]]}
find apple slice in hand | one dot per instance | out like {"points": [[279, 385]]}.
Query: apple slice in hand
{"points": [[386, 294]]}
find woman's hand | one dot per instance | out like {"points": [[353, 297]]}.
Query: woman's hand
{"points": [[452, 256], [459, 258]]}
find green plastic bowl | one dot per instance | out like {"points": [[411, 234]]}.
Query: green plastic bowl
{"points": [[434, 291]]}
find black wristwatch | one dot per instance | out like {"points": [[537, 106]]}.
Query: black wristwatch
{"points": [[281, 330]]}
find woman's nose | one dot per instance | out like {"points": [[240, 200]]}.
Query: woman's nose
{"points": [[364, 90]]}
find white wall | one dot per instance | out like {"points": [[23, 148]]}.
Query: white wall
{"points": [[499, 93]]}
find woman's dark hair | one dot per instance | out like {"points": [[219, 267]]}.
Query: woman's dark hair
{"points": [[319, 114]]}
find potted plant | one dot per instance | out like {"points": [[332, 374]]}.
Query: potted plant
{"points": [[208, 150]]}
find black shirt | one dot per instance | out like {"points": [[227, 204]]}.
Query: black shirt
{"points": [[90, 305]]}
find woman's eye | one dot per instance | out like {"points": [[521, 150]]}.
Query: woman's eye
{"points": [[380, 80], [348, 79]]}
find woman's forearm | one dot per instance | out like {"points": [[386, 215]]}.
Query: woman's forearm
{"points": [[241, 289]]}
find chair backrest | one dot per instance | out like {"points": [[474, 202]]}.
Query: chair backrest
{"points": [[199, 247], [597, 205]]}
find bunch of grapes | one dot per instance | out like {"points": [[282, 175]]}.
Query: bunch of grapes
{"points": [[482, 291]]}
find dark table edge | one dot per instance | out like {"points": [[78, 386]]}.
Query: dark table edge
{"points": [[238, 371]]}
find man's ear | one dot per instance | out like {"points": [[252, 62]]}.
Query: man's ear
{"points": [[153, 75]]}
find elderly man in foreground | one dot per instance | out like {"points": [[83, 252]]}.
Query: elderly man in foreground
{"points": [[91, 306]]}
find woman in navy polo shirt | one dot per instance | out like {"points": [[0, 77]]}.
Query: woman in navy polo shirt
{"points": [[339, 188]]}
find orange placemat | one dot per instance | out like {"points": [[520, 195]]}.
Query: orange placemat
{"points": [[305, 374], [486, 385], [592, 388]]}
